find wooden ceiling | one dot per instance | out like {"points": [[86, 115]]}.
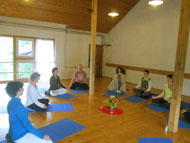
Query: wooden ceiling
{"points": [[73, 13]]}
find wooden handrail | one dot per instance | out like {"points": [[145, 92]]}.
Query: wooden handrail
{"points": [[155, 71]]}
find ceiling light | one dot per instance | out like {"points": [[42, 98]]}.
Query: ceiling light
{"points": [[155, 2], [113, 14]]}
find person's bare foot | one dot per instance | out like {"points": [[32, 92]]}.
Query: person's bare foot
{"points": [[118, 91]]}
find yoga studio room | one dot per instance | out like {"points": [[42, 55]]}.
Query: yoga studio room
{"points": [[94, 71]]}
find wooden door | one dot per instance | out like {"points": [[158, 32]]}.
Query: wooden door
{"points": [[99, 60]]}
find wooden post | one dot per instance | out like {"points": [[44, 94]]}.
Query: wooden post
{"points": [[93, 46], [15, 72], [181, 53]]}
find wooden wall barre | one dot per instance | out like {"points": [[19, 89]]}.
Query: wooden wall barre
{"points": [[155, 71]]}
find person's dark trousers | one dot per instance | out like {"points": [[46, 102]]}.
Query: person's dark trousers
{"points": [[187, 115], [138, 92], [141, 93], [159, 101], [37, 108], [146, 94], [79, 86]]}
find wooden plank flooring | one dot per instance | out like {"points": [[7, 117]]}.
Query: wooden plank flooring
{"points": [[137, 120]]}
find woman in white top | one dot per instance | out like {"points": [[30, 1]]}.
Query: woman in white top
{"points": [[34, 99]]}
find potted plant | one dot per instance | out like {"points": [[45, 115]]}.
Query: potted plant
{"points": [[112, 102]]}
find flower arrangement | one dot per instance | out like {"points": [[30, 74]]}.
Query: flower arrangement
{"points": [[112, 102]]}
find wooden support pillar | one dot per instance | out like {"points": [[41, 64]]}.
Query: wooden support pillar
{"points": [[93, 46], [181, 53]]}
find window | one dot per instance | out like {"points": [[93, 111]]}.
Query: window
{"points": [[25, 47], [28, 55], [6, 58], [24, 58], [24, 70]]}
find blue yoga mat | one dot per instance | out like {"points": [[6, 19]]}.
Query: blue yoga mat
{"points": [[155, 140], [166, 107], [135, 99], [158, 108], [3, 109], [42, 90], [56, 108], [65, 96], [109, 93], [61, 129], [79, 91], [185, 105], [182, 123], [4, 141]]}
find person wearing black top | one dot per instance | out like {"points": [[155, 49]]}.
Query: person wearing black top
{"points": [[56, 87]]}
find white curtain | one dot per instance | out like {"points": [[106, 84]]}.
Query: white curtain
{"points": [[44, 58]]}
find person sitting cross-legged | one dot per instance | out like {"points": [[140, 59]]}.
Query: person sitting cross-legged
{"points": [[166, 95], [35, 100], [56, 87], [144, 86], [20, 128], [118, 83], [78, 81]]}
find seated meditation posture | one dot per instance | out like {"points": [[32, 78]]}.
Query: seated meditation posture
{"points": [[166, 95], [118, 83], [20, 128], [56, 87], [144, 86], [35, 100], [78, 81]]}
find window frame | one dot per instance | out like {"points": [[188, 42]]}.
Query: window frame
{"points": [[23, 59]]}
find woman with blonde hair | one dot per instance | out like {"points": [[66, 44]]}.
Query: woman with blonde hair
{"points": [[35, 100]]}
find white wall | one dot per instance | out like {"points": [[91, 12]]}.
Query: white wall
{"points": [[77, 51], [147, 37], [71, 48]]}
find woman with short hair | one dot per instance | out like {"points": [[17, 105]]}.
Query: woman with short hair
{"points": [[20, 128]]}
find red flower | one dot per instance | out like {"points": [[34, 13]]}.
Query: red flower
{"points": [[113, 100]]}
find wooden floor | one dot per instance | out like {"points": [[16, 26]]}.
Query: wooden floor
{"points": [[136, 122]]}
